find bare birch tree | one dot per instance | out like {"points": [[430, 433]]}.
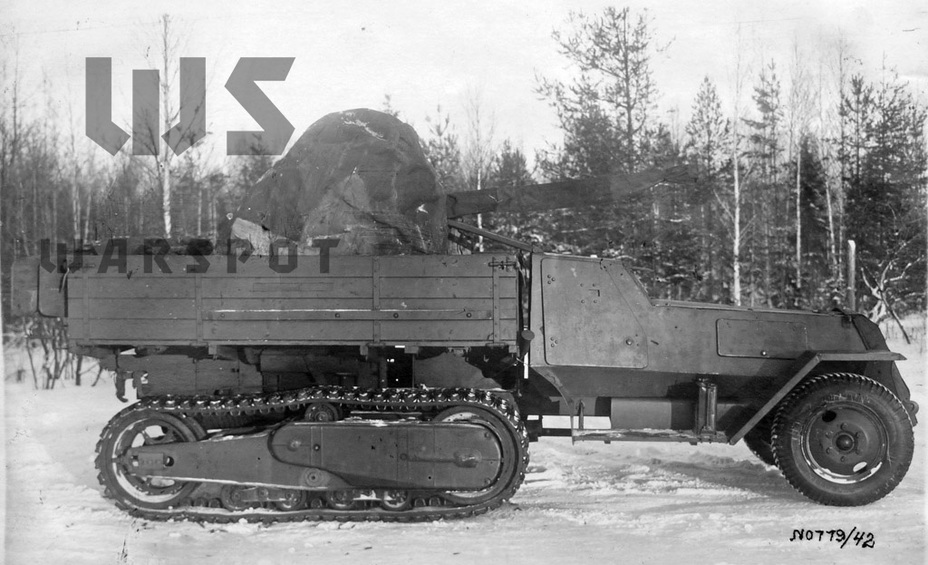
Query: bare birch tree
{"points": [[738, 84], [478, 151], [147, 126], [799, 114]]}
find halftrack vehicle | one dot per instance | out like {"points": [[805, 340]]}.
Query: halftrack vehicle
{"points": [[408, 387]]}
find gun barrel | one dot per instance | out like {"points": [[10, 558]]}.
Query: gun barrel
{"points": [[560, 194]]}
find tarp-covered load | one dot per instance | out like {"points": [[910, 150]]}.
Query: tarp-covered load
{"points": [[358, 176]]}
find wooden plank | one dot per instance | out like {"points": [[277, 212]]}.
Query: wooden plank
{"points": [[142, 331], [263, 306], [104, 286], [284, 303], [323, 314], [139, 266], [294, 287], [306, 266], [402, 287], [509, 309], [455, 266], [288, 330], [360, 332], [135, 308], [218, 265], [479, 330]]}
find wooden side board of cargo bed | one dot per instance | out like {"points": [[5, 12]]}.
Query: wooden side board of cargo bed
{"points": [[435, 300]]}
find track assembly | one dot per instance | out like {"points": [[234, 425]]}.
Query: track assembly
{"points": [[321, 453]]}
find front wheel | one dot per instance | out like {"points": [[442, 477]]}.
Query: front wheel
{"points": [[843, 439]]}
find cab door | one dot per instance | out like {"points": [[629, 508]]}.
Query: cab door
{"points": [[586, 319]]}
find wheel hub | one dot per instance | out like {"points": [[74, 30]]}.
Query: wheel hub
{"points": [[846, 443]]}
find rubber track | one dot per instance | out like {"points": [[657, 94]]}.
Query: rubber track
{"points": [[388, 400]]}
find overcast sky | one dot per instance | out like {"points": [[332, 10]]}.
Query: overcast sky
{"points": [[425, 53]]}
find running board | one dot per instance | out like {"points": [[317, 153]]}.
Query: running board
{"points": [[608, 436]]}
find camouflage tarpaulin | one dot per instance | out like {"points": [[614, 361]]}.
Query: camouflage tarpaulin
{"points": [[359, 176]]}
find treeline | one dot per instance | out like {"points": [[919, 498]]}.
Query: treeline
{"points": [[50, 190], [803, 156], [811, 153]]}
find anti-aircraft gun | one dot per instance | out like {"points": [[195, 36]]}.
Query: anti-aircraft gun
{"points": [[276, 385]]}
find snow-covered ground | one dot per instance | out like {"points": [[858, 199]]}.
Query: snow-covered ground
{"points": [[584, 503]]}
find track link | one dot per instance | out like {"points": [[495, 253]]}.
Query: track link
{"points": [[203, 506]]}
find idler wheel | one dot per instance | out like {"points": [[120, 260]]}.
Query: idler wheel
{"points": [[137, 428]]}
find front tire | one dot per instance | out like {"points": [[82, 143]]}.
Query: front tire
{"points": [[843, 439]]}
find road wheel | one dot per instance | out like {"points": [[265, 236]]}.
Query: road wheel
{"points": [[293, 500], [843, 439], [233, 497], [396, 500], [341, 499]]}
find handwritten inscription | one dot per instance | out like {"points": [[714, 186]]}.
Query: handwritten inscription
{"points": [[853, 538]]}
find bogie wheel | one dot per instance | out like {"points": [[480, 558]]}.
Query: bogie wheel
{"points": [[135, 428], [758, 440], [341, 499], [396, 500], [293, 500], [233, 497], [508, 446], [843, 439]]}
